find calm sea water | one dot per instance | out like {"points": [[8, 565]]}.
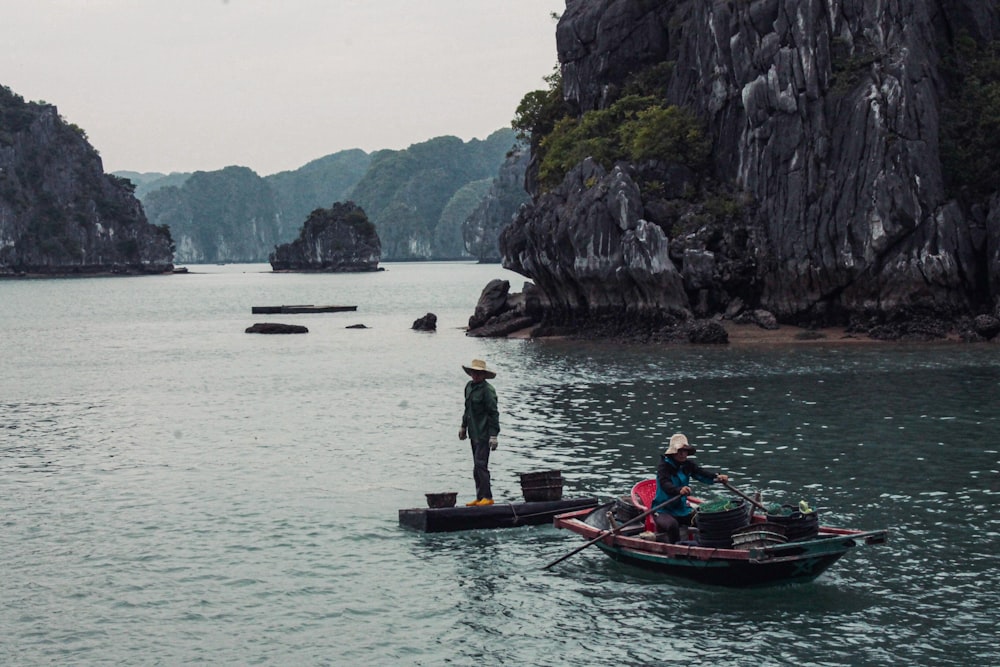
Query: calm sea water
{"points": [[174, 491]]}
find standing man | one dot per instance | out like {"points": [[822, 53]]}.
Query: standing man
{"points": [[481, 424]]}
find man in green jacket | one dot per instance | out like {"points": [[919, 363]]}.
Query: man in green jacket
{"points": [[481, 424]]}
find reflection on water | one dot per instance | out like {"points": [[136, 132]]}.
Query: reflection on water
{"points": [[172, 487]]}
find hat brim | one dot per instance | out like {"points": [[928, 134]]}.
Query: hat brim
{"points": [[489, 374]]}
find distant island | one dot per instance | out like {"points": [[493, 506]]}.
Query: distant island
{"points": [[338, 239], [59, 212], [439, 199]]}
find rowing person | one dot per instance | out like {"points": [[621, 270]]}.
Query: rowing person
{"points": [[673, 475]]}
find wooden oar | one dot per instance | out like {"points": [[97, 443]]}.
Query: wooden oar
{"points": [[605, 533], [745, 497]]}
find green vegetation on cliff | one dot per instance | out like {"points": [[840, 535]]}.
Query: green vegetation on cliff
{"points": [[636, 127]]}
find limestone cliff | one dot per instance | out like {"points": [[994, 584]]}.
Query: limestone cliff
{"points": [[59, 212], [227, 215], [337, 239], [481, 230], [831, 193]]}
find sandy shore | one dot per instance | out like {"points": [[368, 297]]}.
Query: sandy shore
{"points": [[751, 334]]}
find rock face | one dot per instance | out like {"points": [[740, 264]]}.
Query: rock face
{"points": [[481, 230], [500, 313], [59, 212], [336, 239], [590, 251], [830, 141]]}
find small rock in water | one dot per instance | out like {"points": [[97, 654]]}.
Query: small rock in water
{"points": [[426, 323]]}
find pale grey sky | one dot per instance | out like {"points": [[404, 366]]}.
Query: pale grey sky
{"points": [[185, 85]]}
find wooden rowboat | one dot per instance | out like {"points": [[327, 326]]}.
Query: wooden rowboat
{"points": [[749, 565]]}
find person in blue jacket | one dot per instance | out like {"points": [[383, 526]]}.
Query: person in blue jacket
{"points": [[672, 478], [481, 424]]}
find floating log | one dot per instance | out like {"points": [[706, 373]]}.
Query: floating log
{"points": [[292, 310], [500, 515], [276, 328]]}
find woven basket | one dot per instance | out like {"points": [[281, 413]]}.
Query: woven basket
{"points": [[534, 494]]}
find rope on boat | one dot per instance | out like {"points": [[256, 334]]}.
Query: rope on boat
{"points": [[513, 510]]}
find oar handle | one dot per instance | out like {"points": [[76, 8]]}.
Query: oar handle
{"points": [[745, 497], [605, 533]]}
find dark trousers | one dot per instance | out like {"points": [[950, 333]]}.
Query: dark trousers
{"points": [[671, 525], [481, 470]]}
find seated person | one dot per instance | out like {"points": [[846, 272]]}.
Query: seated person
{"points": [[672, 477]]}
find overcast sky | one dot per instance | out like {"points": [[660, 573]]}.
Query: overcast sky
{"points": [[186, 85]]}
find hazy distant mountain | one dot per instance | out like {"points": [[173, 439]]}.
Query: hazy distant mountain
{"points": [[448, 241], [317, 184], [149, 181], [228, 215], [235, 215], [405, 192], [419, 198], [495, 210]]}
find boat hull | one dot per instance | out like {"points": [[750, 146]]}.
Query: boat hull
{"points": [[799, 561], [500, 515]]}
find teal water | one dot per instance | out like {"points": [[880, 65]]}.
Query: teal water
{"points": [[174, 491]]}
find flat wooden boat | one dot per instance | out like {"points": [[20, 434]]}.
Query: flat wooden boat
{"points": [[291, 310], [500, 515], [751, 565]]}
